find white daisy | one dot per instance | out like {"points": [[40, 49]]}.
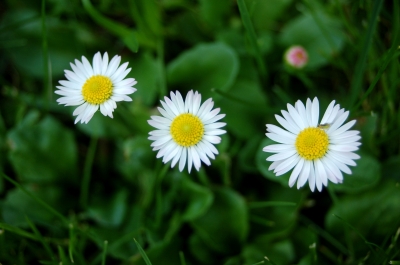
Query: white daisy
{"points": [[92, 87], [318, 152], [187, 130]]}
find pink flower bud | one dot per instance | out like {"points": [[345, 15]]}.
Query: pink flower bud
{"points": [[296, 57]]}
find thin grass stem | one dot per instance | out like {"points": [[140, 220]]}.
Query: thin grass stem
{"points": [[248, 25], [87, 172], [142, 253], [361, 62], [38, 200]]}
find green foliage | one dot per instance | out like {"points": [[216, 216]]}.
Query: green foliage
{"points": [[96, 193]]}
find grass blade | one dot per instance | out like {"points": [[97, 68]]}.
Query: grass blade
{"points": [[361, 63], [38, 200], [18, 231], [248, 25], [103, 259], [87, 172], [46, 68], [144, 256], [126, 34], [40, 238]]}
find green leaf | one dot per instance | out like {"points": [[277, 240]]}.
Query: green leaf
{"points": [[148, 76], [244, 104], [215, 12], [224, 227], [372, 213], [198, 198], [27, 53], [52, 160], [126, 34], [108, 211], [366, 174], [311, 32], [18, 204], [265, 14], [135, 156], [204, 67]]}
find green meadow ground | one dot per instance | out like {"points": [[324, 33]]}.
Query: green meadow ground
{"points": [[82, 194]]}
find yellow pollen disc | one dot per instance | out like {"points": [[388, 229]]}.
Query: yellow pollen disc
{"points": [[187, 129], [97, 89], [312, 143]]}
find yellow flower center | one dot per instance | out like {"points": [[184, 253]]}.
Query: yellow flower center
{"points": [[312, 143], [97, 89], [187, 129]]}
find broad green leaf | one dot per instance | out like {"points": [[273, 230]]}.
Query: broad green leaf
{"points": [[366, 174], [320, 35], [245, 103], [371, 213], [148, 77], [37, 153], [27, 55], [18, 204], [265, 13], [198, 198], [109, 212], [135, 156], [215, 12], [126, 34], [202, 68], [224, 227]]}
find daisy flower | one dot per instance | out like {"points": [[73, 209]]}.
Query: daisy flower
{"points": [[318, 152], [296, 57], [187, 130], [93, 87]]}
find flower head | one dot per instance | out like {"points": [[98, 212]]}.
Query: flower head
{"points": [[94, 87], [187, 130], [318, 151], [296, 57]]}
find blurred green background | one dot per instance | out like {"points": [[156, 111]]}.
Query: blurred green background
{"points": [[80, 194]]}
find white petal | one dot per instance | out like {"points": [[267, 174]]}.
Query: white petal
{"points": [[344, 128], [311, 178], [280, 139], [302, 112], [282, 155], [328, 112], [321, 173], [343, 148], [315, 112], [113, 65], [287, 125], [182, 160], [296, 116], [104, 64], [275, 129], [287, 165], [196, 158], [296, 172], [276, 148], [305, 173], [339, 121]]}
